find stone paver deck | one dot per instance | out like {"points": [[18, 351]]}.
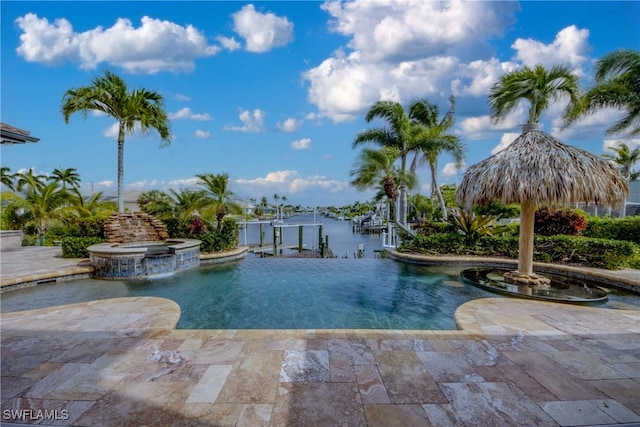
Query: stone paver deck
{"points": [[513, 362]]}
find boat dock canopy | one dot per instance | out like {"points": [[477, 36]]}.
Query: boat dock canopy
{"points": [[13, 135]]}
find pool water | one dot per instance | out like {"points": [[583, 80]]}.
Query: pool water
{"points": [[279, 293]]}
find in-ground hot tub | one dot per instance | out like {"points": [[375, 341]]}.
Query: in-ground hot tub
{"points": [[143, 259]]}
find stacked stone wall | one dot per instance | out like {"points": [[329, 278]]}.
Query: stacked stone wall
{"points": [[132, 227]]}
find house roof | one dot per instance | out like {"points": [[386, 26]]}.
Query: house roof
{"points": [[13, 135]]}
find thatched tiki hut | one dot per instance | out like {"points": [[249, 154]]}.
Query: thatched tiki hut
{"points": [[539, 169]]}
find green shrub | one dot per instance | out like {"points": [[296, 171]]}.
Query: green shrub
{"points": [[551, 222], [473, 226], [438, 243], [76, 247], [496, 208], [599, 253], [177, 228], [432, 227], [627, 228], [225, 240], [93, 227]]}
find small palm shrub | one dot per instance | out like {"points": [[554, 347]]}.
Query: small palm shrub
{"points": [[551, 222], [473, 226]]}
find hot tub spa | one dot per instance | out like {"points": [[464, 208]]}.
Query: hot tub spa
{"points": [[143, 259]]}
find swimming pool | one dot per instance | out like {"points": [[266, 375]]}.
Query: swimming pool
{"points": [[284, 293], [280, 293]]}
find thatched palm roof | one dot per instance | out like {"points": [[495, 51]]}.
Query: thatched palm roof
{"points": [[539, 168]]}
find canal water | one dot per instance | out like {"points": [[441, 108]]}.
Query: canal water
{"points": [[343, 241]]}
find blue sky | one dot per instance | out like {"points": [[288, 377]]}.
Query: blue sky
{"points": [[273, 93]]}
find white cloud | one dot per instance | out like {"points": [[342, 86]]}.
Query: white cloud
{"points": [[252, 121], [451, 169], [228, 43], [505, 141], [262, 31], [181, 97], [187, 114], [184, 182], [201, 134], [105, 184], [402, 49], [154, 46], [290, 182], [290, 125], [144, 184], [301, 144], [570, 47]]}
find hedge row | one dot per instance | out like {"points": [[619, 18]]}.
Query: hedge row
{"points": [[600, 253], [76, 247], [627, 228]]}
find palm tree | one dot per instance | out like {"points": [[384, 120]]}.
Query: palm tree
{"points": [[39, 204], [93, 207], [220, 197], [187, 202], [66, 176], [7, 177], [109, 94], [625, 159], [617, 86], [398, 135], [433, 139], [30, 180], [377, 169], [156, 203], [538, 86]]}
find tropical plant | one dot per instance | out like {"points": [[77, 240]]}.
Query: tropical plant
{"points": [[7, 177], [187, 203], [156, 203], [29, 181], [109, 94], [398, 135], [473, 226], [433, 139], [66, 176], [220, 197], [617, 86], [626, 159], [549, 222], [92, 207], [37, 205], [376, 169], [419, 207], [537, 85]]}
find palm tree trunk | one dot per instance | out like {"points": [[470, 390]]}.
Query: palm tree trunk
{"points": [[435, 190], [121, 168], [402, 205], [525, 253]]}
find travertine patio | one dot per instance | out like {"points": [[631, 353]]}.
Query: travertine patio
{"points": [[514, 362]]}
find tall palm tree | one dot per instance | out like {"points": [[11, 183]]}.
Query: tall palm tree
{"points": [[537, 85], [66, 176], [617, 86], [398, 135], [433, 139], [625, 158], [109, 94], [216, 188]]}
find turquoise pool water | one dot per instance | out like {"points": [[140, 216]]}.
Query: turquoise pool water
{"points": [[285, 293]]}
